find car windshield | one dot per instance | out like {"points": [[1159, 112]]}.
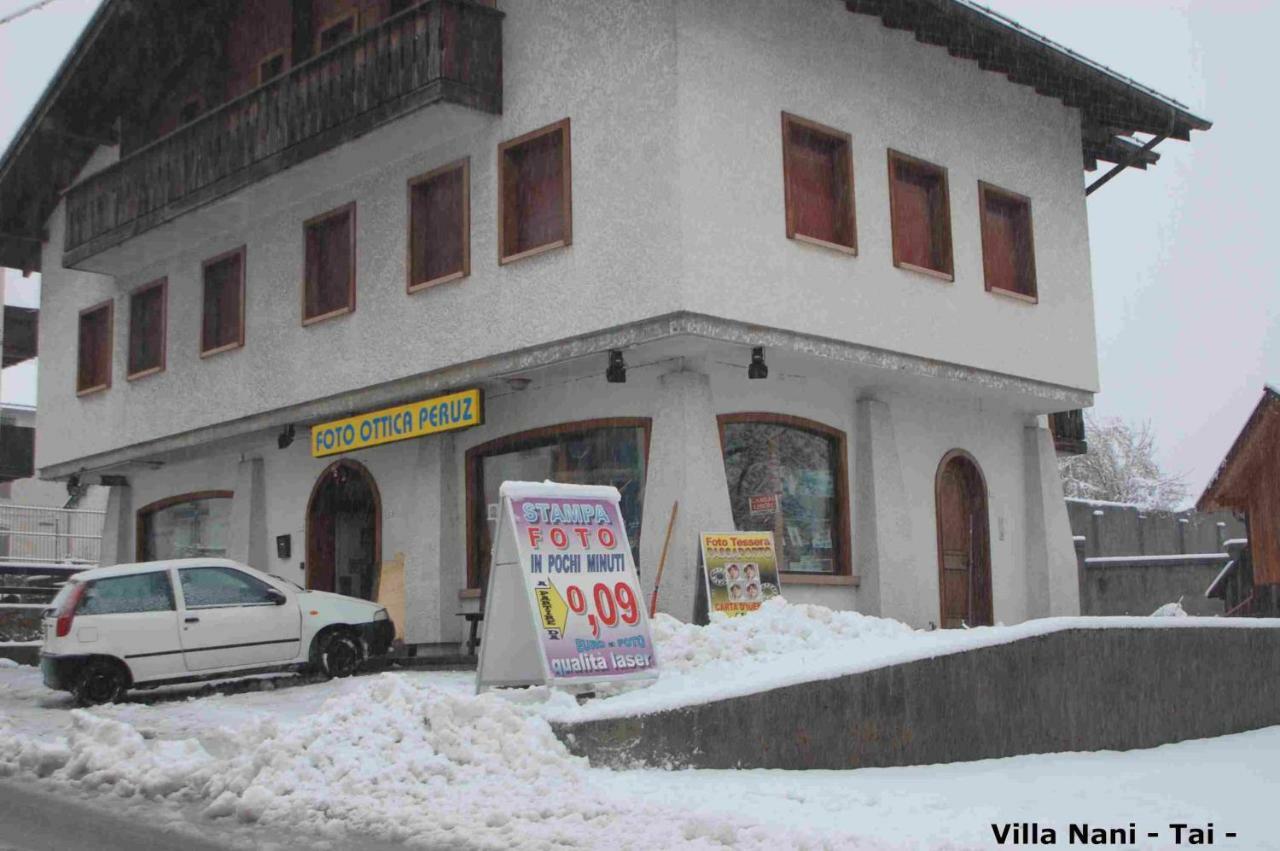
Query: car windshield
{"points": [[290, 581]]}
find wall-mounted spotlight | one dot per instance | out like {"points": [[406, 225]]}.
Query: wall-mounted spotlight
{"points": [[617, 371], [286, 437], [757, 369]]}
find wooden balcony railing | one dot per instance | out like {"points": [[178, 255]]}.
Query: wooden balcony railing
{"points": [[438, 51], [1068, 432]]}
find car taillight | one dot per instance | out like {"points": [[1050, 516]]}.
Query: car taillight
{"points": [[66, 613]]}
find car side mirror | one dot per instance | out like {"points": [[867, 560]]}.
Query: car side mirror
{"points": [[275, 597]]}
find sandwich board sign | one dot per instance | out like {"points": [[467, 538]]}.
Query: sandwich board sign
{"points": [[563, 605]]}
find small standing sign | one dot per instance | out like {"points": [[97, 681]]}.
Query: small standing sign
{"points": [[741, 571], [563, 602]]}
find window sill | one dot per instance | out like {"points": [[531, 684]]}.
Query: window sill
{"points": [[532, 252], [924, 270], [1013, 294], [435, 282], [229, 347], [850, 250], [817, 579], [89, 391], [332, 314], [134, 376]]}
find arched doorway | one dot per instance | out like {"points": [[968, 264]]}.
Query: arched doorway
{"points": [[344, 531], [964, 544]]}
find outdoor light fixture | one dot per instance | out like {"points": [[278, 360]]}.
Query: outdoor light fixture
{"points": [[286, 437], [757, 369], [617, 371]]}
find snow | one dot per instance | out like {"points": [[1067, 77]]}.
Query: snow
{"points": [[1175, 557], [1231, 542], [1171, 610]]}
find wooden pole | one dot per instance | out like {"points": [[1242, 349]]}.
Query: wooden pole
{"points": [[662, 560]]}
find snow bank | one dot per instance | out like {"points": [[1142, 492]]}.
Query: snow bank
{"points": [[397, 760]]}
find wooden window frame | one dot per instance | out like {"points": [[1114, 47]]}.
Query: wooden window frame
{"points": [[330, 23], [168, 502], [464, 164], [842, 527], [283, 53], [110, 306], [790, 121], [163, 285], [351, 273], [896, 157], [566, 177], [512, 442], [990, 190], [204, 268]]}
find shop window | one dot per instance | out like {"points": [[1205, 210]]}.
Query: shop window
{"points": [[271, 67], [1008, 251], [147, 313], [222, 324], [192, 525], [920, 210], [439, 226], [787, 476], [93, 366], [595, 452], [818, 173], [336, 33], [330, 276], [534, 194]]}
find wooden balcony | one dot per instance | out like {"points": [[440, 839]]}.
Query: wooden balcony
{"points": [[442, 51]]}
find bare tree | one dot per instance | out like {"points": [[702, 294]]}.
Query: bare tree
{"points": [[1120, 466]]}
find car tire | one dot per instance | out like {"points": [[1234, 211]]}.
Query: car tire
{"points": [[100, 681], [340, 655]]}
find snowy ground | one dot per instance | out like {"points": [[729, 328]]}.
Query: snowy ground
{"points": [[416, 757]]}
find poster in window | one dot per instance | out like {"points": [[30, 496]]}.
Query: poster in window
{"points": [[740, 570]]}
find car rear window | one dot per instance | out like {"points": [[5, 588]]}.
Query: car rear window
{"points": [[139, 592]]}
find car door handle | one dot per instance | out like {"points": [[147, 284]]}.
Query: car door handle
{"points": [[191, 619]]}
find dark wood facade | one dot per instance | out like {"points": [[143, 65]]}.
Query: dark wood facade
{"points": [[1249, 481]]}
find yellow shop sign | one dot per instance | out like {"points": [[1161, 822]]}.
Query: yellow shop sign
{"points": [[417, 419]]}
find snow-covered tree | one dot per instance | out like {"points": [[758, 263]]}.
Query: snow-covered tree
{"points": [[1120, 466]]}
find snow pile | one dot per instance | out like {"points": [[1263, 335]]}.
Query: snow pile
{"points": [[1171, 610], [7, 663], [397, 761]]}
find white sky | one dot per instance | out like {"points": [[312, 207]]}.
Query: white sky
{"points": [[1188, 311]]}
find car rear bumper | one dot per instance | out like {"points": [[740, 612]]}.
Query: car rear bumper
{"points": [[60, 672], [377, 636]]}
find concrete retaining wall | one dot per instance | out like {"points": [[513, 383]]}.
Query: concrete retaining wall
{"points": [[1140, 585], [1075, 690]]}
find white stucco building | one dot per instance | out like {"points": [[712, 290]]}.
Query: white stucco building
{"points": [[886, 211]]}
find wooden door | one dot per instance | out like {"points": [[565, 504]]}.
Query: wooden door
{"points": [[964, 562]]}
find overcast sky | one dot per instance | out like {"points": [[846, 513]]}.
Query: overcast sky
{"points": [[1188, 308]]}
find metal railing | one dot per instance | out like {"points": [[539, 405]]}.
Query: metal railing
{"points": [[45, 535]]}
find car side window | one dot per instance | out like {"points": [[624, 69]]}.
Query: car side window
{"points": [[139, 592], [222, 586]]}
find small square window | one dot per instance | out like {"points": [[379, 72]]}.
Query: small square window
{"points": [[818, 172], [534, 193], [147, 329], [271, 67], [93, 365], [329, 286], [439, 226], [920, 210], [1008, 250], [222, 322], [336, 33]]}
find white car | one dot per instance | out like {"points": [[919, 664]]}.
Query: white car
{"points": [[139, 625]]}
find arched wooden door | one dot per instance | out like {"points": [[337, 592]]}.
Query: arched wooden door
{"points": [[964, 546], [344, 531]]}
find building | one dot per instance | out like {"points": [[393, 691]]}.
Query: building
{"points": [[819, 267], [1248, 482]]}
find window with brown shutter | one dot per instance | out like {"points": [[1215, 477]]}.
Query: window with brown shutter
{"points": [[920, 210], [439, 226], [329, 287], [222, 319], [1008, 250], [817, 166], [535, 208], [146, 329], [93, 362]]}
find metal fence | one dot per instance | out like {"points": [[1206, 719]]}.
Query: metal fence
{"points": [[50, 535]]}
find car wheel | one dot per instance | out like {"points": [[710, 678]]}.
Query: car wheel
{"points": [[100, 681], [339, 655]]}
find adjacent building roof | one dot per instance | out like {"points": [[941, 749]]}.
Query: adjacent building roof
{"points": [[1256, 444], [132, 49]]}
